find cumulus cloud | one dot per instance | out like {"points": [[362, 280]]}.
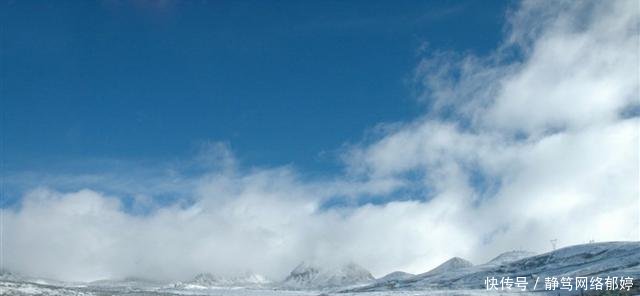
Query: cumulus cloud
{"points": [[534, 132], [524, 145]]}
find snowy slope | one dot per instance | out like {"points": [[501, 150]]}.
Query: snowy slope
{"points": [[208, 280], [510, 256], [452, 264], [395, 276], [8, 276], [126, 283], [598, 259], [308, 276], [27, 289]]}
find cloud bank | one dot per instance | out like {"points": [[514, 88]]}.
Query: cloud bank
{"points": [[536, 141]]}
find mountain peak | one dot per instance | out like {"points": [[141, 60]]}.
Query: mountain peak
{"points": [[510, 256], [451, 264], [307, 275], [396, 275], [602, 259], [213, 280]]}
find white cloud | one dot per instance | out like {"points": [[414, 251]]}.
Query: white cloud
{"points": [[514, 152], [544, 132], [577, 74]]}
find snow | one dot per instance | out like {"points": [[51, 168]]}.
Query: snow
{"points": [[307, 276], [29, 289], [452, 264], [597, 259], [208, 280], [454, 277], [510, 256], [131, 283], [395, 276]]}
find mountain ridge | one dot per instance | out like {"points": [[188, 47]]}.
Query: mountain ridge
{"points": [[309, 276], [595, 259]]}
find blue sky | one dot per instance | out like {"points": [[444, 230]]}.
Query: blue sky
{"points": [[282, 82]]}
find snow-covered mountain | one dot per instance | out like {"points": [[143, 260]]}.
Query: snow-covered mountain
{"points": [[452, 264], [308, 276], [510, 256], [208, 280], [597, 259], [6, 275], [129, 282], [395, 276]]}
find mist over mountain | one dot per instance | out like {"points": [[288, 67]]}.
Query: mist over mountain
{"points": [[309, 276], [395, 276], [452, 264], [208, 280], [510, 256]]}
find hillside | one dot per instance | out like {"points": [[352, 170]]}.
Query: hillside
{"points": [[597, 259]]}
